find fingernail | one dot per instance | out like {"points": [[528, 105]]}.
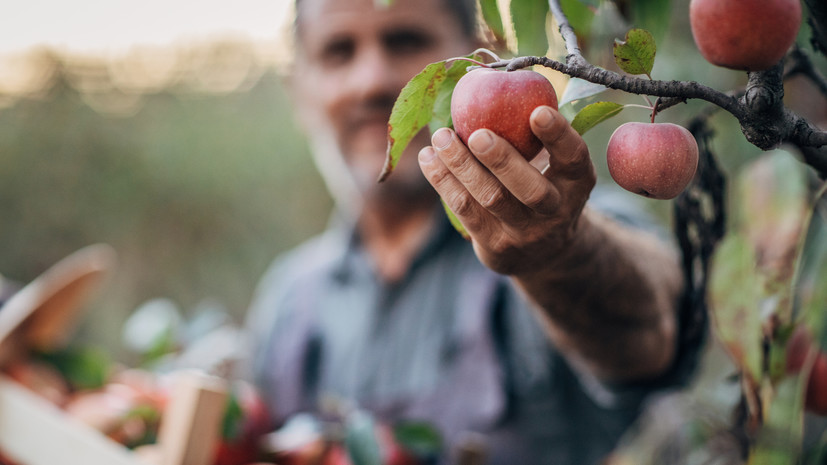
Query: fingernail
{"points": [[543, 117], [441, 138], [480, 141], [426, 155]]}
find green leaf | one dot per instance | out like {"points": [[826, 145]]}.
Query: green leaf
{"points": [[578, 89], [415, 106], [493, 18], [780, 438], [455, 221], [83, 367], [636, 54], [735, 295], [652, 15], [580, 16], [150, 417], [773, 204], [529, 18], [420, 438], [594, 114], [441, 115], [232, 421]]}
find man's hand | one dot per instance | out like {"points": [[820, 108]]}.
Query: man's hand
{"points": [[608, 294], [519, 218]]}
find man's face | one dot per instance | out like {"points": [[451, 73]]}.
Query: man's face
{"points": [[353, 59]]}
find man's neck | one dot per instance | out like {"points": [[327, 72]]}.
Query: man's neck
{"points": [[393, 235]]}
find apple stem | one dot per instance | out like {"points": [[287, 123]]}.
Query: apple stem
{"points": [[479, 51], [655, 109], [470, 60], [485, 51]]}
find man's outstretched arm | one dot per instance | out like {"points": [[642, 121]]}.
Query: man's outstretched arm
{"points": [[608, 295]]}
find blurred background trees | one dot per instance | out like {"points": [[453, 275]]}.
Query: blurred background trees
{"points": [[186, 161]]}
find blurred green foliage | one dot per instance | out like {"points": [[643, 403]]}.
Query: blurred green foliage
{"points": [[197, 192]]}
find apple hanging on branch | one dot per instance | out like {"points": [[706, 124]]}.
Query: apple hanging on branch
{"points": [[656, 160], [748, 35]]}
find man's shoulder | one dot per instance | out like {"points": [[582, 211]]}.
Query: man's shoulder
{"points": [[290, 274], [316, 255]]}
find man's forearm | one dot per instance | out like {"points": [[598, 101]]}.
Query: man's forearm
{"points": [[609, 300]]}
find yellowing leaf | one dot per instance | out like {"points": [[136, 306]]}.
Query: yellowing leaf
{"points": [[636, 54], [415, 106]]}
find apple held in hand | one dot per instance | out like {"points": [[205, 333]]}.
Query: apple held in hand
{"points": [[750, 35], [655, 160], [501, 101]]}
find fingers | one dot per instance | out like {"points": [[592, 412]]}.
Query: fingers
{"points": [[568, 153], [491, 177], [523, 181], [451, 169]]}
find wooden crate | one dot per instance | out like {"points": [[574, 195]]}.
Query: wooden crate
{"points": [[35, 432]]}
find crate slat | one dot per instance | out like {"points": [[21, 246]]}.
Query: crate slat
{"points": [[34, 432]]}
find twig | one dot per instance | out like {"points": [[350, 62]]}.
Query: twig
{"points": [[569, 37]]}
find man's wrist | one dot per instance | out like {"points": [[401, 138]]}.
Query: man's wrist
{"points": [[574, 252]]}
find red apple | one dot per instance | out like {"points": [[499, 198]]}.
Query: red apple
{"points": [[250, 420], [655, 160], [798, 347], [501, 101], [122, 412], [750, 35]]}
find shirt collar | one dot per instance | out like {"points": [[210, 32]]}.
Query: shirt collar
{"points": [[353, 259]]}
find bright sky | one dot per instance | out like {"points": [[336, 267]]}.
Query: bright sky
{"points": [[110, 26]]}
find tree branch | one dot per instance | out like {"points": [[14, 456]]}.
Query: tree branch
{"points": [[765, 121], [576, 66]]}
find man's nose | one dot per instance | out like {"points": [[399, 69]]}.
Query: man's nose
{"points": [[374, 74]]}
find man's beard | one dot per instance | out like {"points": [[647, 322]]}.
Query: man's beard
{"points": [[353, 186]]}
